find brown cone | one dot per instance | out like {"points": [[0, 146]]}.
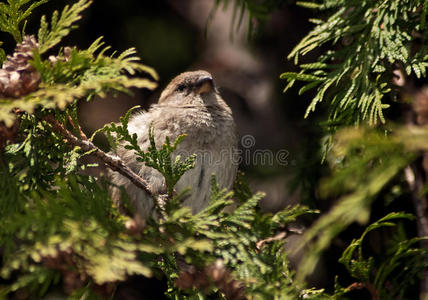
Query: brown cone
{"points": [[17, 76]]}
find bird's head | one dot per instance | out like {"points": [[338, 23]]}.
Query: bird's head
{"points": [[194, 88]]}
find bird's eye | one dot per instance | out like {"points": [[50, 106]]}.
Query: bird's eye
{"points": [[181, 88]]}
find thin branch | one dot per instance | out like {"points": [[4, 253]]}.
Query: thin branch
{"points": [[82, 134], [416, 183], [277, 237], [112, 161]]}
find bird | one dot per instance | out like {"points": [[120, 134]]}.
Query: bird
{"points": [[191, 105]]}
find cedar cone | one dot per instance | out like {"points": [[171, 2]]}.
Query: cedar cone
{"points": [[17, 76]]}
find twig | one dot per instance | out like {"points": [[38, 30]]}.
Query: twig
{"points": [[277, 237], [112, 161], [82, 134]]}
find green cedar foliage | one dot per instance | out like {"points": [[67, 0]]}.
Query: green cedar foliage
{"points": [[366, 41], [13, 14], [362, 48], [365, 45], [363, 163], [78, 74], [388, 272]]}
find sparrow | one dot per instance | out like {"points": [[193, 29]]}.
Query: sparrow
{"points": [[191, 105]]}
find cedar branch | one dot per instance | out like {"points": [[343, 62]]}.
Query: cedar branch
{"points": [[112, 161]]}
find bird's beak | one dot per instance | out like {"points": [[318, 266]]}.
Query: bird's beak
{"points": [[204, 85]]}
